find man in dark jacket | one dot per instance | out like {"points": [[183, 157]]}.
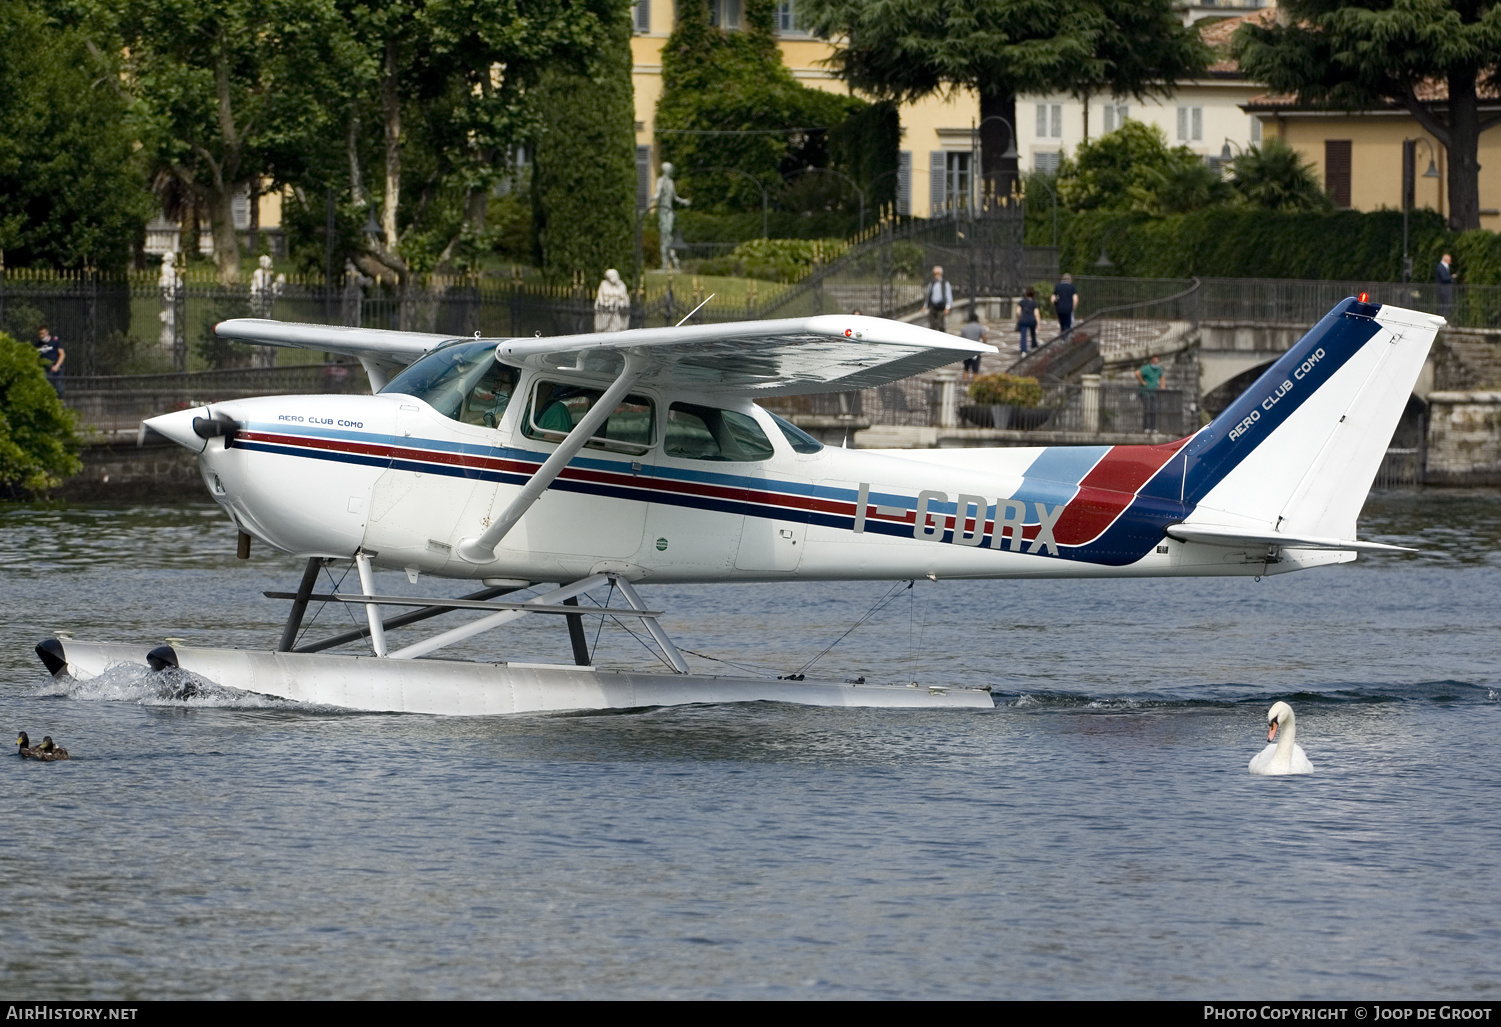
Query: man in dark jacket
{"points": [[51, 351]]}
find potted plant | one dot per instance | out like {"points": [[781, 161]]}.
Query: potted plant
{"points": [[1005, 401]]}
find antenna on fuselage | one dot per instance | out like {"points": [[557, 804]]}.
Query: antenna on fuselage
{"points": [[695, 310]]}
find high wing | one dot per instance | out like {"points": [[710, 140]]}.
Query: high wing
{"points": [[827, 353], [382, 353]]}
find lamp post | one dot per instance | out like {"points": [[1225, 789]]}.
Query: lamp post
{"points": [[765, 196], [976, 148], [831, 171], [1432, 172]]}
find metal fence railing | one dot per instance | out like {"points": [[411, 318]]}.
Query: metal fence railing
{"points": [[1138, 321]]}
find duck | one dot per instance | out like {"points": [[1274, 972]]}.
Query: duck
{"points": [[1286, 756], [49, 751], [26, 751]]}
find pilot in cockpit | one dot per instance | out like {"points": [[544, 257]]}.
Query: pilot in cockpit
{"points": [[486, 402]]}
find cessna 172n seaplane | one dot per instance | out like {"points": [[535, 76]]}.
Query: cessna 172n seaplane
{"points": [[613, 460]]}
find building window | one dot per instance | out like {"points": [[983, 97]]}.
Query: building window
{"points": [[1050, 121], [1337, 170], [948, 181], [724, 14], [1046, 163], [641, 15], [1190, 124], [1115, 115], [956, 184], [787, 21], [1255, 130]]}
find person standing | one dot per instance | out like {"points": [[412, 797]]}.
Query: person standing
{"points": [[1444, 275], [1026, 318], [1065, 299], [974, 331], [1149, 381], [938, 300], [50, 349]]}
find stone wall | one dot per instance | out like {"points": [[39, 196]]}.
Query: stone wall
{"points": [[1464, 438], [156, 472]]}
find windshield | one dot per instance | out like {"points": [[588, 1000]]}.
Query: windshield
{"points": [[464, 382]]}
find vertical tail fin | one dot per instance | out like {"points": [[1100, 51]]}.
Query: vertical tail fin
{"points": [[1297, 452]]}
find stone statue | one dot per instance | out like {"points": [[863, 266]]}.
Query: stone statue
{"points": [[612, 304], [351, 309], [168, 284], [666, 198], [264, 288]]}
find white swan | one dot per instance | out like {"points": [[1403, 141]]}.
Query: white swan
{"points": [[1286, 756]]}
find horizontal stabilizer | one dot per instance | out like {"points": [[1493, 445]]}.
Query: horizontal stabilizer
{"points": [[1224, 535]]}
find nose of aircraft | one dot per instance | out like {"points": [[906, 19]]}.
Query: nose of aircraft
{"points": [[178, 426], [192, 429]]}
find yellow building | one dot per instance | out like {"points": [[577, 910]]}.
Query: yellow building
{"points": [[1360, 156], [934, 126], [936, 155]]}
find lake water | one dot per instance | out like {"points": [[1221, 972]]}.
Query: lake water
{"points": [[1096, 835]]}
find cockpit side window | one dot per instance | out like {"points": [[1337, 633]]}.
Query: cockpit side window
{"points": [[464, 382], [555, 407], [709, 433], [799, 440]]}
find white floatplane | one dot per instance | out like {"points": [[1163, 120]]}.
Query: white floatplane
{"points": [[612, 460]]}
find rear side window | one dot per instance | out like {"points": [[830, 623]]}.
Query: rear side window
{"points": [[555, 408], [709, 433], [800, 440]]}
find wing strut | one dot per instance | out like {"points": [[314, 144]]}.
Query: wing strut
{"points": [[482, 548]]}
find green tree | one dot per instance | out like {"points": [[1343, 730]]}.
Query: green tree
{"points": [[1380, 52], [728, 101], [1122, 169], [447, 85], [226, 87], [1276, 177], [1182, 187], [38, 443], [583, 162], [916, 48], [72, 190]]}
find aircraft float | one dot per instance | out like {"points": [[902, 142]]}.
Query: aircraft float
{"points": [[602, 462]]}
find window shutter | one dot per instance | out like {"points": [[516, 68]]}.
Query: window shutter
{"points": [[1108, 122], [1057, 121], [1255, 130], [937, 191], [1198, 113], [1182, 124], [1122, 112], [643, 15], [1042, 121], [1337, 170], [643, 177], [904, 183]]}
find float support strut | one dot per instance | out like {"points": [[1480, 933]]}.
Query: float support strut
{"points": [[372, 611], [576, 634], [668, 649], [299, 605]]}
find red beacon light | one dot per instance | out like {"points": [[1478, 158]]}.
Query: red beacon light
{"points": [[1365, 297]]}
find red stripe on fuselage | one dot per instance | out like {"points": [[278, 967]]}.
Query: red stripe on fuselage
{"points": [[1108, 489]]}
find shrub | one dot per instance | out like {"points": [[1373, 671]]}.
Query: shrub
{"points": [[1006, 389], [38, 436], [785, 259]]}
